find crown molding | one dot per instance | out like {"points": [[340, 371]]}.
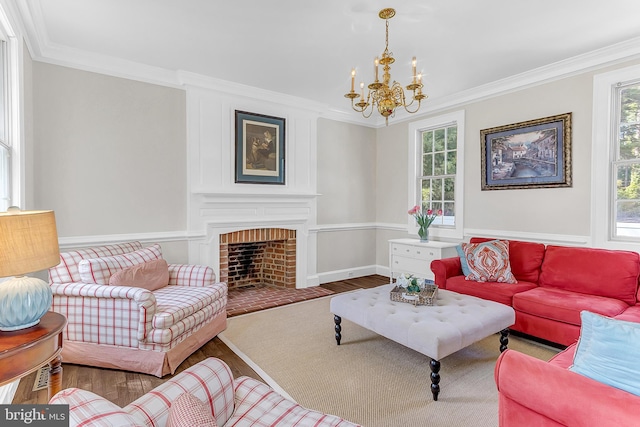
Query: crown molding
{"points": [[350, 117], [611, 55], [42, 49], [200, 81]]}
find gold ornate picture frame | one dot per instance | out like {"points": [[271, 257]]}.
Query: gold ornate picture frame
{"points": [[531, 154]]}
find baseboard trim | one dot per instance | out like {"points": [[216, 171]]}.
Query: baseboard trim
{"points": [[348, 273], [383, 270]]}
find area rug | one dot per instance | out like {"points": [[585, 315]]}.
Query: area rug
{"points": [[368, 379]]}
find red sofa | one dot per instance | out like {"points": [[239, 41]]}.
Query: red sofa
{"points": [[555, 283], [535, 393]]}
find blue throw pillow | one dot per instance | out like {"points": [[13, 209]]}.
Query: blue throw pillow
{"points": [[608, 352], [463, 261]]}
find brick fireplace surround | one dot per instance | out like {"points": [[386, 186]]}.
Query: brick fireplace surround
{"points": [[264, 256]]}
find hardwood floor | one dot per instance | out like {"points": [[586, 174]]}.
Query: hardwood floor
{"points": [[122, 388]]}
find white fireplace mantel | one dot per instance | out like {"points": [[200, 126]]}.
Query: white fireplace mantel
{"points": [[217, 205]]}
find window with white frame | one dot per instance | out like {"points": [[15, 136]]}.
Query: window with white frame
{"points": [[436, 147], [11, 143], [5, 146], [626, 162], [616, 159]]}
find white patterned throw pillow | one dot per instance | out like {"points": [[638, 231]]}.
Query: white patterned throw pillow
{"points": [[488, 261], [100, 270]]}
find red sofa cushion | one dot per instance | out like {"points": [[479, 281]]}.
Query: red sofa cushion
{"points": [[525, 258], [631, 314], [564, 306], [492, 291], [602, 272], [564, 359]]}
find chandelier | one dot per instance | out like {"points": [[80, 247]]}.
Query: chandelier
{"points": [[381, 95]]}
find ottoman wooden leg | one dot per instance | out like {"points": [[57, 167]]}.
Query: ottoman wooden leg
{"points": [[435, 378], [337, 319], [504, 339]]}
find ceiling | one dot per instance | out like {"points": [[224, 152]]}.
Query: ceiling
{"points": [[307, 49]]}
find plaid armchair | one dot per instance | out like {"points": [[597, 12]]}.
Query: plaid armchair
{"points": [[130, 327], [240, 402]]}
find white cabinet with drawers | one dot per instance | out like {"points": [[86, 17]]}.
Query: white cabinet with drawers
{"points": [[411, 256]]}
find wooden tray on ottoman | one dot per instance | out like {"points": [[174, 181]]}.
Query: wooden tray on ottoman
{"points": [[427, 295]]}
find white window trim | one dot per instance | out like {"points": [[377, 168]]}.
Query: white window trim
{"points": [[602, 144], [415, 148], [14, 93]]}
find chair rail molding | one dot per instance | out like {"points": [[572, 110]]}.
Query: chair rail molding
{"points": [[557, 239], [73, 242]]}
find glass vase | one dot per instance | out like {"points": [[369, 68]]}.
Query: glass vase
{"points": [[423, 232]]}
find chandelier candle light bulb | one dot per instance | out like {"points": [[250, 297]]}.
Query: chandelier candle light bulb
{"points": [[353, 78], [376, 62], [385, 96], [413, 66]]}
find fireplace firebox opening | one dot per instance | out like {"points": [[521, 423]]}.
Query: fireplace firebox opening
{"points": [[258, 257]]}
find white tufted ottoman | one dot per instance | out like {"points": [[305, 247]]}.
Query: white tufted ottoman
{"points": [[435, 331]]}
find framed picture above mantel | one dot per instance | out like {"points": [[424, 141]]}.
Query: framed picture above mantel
{"points": [[531, 154], [259, 148]]}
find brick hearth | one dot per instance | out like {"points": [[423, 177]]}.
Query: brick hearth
{"points": [[249, 299]]}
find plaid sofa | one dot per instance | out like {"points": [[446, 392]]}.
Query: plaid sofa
{"points": [[132, 328], [240, 402]]}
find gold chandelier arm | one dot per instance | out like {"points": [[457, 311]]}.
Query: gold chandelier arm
{"points": [[361, 106], [366, 116], [410, 104]]}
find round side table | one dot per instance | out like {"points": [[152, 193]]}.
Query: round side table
{"points": [[26, 350]]}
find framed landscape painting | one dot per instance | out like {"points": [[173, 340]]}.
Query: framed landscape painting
{"points": [[259, 144], [532, 154]]}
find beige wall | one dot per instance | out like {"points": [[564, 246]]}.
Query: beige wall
{"points": [[29, 153], [392, 159], [346, 173], [109, 156], [109, 153], [561, 211], [347, 187], [556, 213], [530, 210]]}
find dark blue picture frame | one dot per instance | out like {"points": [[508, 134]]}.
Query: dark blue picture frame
{"points": [[260, 149], [531, 154]]}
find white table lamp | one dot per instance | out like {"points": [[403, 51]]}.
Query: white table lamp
{"points": [[28, 243]]}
